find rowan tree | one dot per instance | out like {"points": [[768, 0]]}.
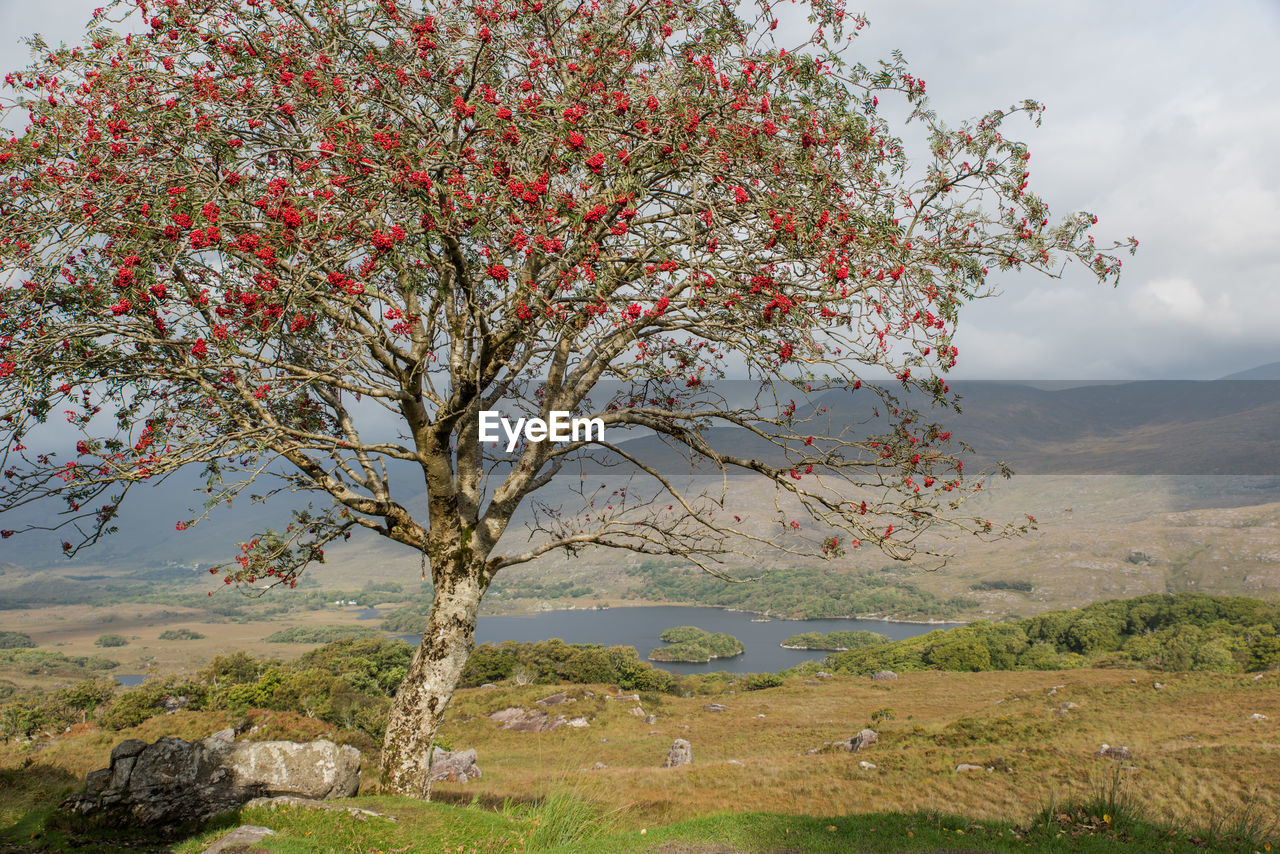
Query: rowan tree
{"points": [[252, 234]]}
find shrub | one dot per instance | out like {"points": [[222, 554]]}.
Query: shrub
{"points": [[320, 634], [16, 640], [760, 681], [109, 639], [180, 634]]}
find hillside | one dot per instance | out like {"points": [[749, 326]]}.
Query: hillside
{"points": [[1203, 770]]}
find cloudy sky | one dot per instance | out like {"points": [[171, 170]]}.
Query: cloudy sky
{"points": [[1160, 116]]}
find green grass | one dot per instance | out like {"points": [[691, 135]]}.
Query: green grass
{"points": [[903, 832], [568, 823]]}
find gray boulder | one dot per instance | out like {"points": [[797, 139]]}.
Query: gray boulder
{"points": [[243, 838], [865, 738], [457, 767], [173, 781], [526, 720], [882, 675], [681, 753], [1117, 753]]}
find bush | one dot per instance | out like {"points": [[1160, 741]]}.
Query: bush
{"points": [[1187, 631], [54, 712], [760, 681], [1001, 584], [405, 621], [837, 641], [146, 701], [16, 640], [180, 634], [320, 634], [111, 640], [554, 661]]}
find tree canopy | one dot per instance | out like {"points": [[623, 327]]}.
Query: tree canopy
{"points": [[230, 239]]}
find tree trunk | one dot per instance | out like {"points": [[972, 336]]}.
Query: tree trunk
{"points": [[433, 674]]}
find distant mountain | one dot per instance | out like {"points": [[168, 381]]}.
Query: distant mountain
{"points": [[1218, 427], [1154, 427], [1262, 372]]}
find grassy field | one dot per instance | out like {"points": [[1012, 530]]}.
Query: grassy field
{"points": [[1205, 774]]}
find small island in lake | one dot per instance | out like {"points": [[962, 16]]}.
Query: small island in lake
{"points": [[839, 641], [694, 645]]}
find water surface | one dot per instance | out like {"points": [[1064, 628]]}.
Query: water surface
{"points": [[640, 627]]}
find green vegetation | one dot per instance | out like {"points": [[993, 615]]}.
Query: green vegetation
{"points": [[808, 593], [46, 662], [111, 639], [409, 620], [532, 588], [837, 641], [567, 823], [16, 640], [321, 634], [348, 684], [1184, 631], [548, 662], [760, 681], [690, 643], [1001, 584], [180, 634], [51, 713]]}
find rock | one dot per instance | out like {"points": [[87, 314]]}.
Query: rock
{"points": [[965, 766], [96, 781], [1068, 706], [525, 720], [244, 835], [1257, 716], [812, 682], [554, 700], [599, 766], [1117, 753], [715, 707], [577, 722], [456, 767], [866, 765], [733, 762], [227, 735], [174, 704], [313, 804], [174, 782], [822, 674], [1159, 686], [651, 719], [628, 698], [882, 675], [863, 739], [638, 712], [853, 744], [488, 686], [681, 753]]}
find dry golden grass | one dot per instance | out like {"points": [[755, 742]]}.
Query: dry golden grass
{"points": [[1197, 751], [1195, 746]]}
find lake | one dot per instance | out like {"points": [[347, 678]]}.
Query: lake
{"points": [[640, 627]]}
